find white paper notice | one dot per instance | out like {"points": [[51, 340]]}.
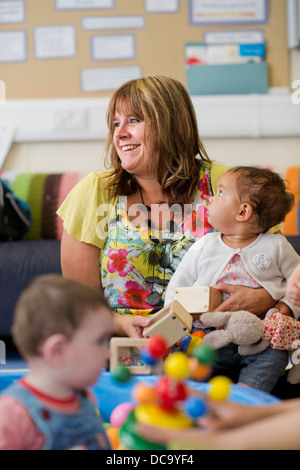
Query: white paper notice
{"points": [[12, 12], [228, 11], [54, 42], [83, 4], [113, 47], [107, 78], [13, 46], [234, 37], [113, 22], [161, 6]]}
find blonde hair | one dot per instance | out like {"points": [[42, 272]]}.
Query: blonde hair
{"points": [[167, 110], [50, 305]]}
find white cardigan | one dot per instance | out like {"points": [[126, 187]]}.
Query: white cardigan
{"points": [[270, 260]]}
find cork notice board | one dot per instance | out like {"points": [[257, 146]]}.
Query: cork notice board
{"points": [[158, 46]]}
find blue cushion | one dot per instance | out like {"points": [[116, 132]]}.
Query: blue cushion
{"points": [[20, 263], [295, 241]]}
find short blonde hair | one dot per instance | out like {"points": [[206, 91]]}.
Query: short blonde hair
{"points": [[50, 305], [168, 112]]}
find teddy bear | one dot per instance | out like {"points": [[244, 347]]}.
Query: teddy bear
{"points": [[253, 335]]}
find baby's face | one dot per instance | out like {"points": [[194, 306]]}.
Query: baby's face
{"points": [[225, 205], [87, 352]]}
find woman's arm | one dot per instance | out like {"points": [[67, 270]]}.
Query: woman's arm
{"points": [[236, 426], [80, 261]]}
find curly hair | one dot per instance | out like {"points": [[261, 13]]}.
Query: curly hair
{"points": [[267, 193]]}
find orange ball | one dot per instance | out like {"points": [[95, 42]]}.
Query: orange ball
{"points": [[113, 437], [198, 371], [199, 334], [144, 394]]}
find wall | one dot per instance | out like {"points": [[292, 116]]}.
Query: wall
{"points": [[278, 153], [86, 156]]}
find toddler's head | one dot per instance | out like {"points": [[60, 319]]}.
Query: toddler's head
{"points": [[53, 305], [266, 192]]}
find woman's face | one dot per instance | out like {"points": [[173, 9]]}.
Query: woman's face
{"points": [[133, 143]]}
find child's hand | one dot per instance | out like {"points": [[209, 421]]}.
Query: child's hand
{"points": [[284, 309], [293, 287]]}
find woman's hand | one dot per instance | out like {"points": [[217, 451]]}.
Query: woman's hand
{"points": [[257, 301], [131, 326]]}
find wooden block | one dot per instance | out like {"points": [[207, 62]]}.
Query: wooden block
{"points": [[172, 322], [198, 299], [129, 347]]}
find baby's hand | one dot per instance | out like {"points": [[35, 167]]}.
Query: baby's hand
{"points": [[293, 287], [284, 309], [293, 290]]}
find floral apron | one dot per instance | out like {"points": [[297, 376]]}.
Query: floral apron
{"points": [[136, 263]]}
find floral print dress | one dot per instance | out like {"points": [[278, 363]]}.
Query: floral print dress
{"points": [[136, 263]]}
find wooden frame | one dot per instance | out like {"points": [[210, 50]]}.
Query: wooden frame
{"points": [[197, 300], [172, 322], [128, 347]]}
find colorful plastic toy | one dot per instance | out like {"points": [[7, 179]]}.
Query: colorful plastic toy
{"points": [[190, 341], [168, 403], [120, 413], [219, 388]]}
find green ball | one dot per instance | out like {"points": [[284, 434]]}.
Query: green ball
{"points": [[121, 373], [204, 354]]}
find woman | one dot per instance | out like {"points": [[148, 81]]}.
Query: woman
{"points": [[138, 219]]}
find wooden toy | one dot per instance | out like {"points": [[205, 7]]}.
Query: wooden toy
{"points": [[197, 300], [126, 351], [172, 322]]}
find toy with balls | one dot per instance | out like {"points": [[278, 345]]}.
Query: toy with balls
{"points": [[169, 402]]}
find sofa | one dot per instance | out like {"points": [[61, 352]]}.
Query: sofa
{"points": [[39, 250]]}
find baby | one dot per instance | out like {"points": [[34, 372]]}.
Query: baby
{"points": [[61, 328], [249, 201]]}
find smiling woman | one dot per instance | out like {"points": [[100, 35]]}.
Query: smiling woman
{"points": [[137, 219]]}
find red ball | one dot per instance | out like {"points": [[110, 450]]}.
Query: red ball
{"points": [[157, 347], [170, 392]]}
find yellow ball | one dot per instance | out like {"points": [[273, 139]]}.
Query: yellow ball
{"points": [[195, 342], [219, 388], [177, 366]]}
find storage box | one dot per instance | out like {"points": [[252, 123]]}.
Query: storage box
{"points": [[229, 79]]}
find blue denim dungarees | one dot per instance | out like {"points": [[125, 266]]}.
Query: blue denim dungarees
{"points": [[63, 431]]}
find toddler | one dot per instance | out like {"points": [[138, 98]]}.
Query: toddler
{"points": [[61, 328], [249, 201]]}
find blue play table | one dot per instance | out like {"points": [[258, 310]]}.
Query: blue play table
{"points": [[110, 393]]}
